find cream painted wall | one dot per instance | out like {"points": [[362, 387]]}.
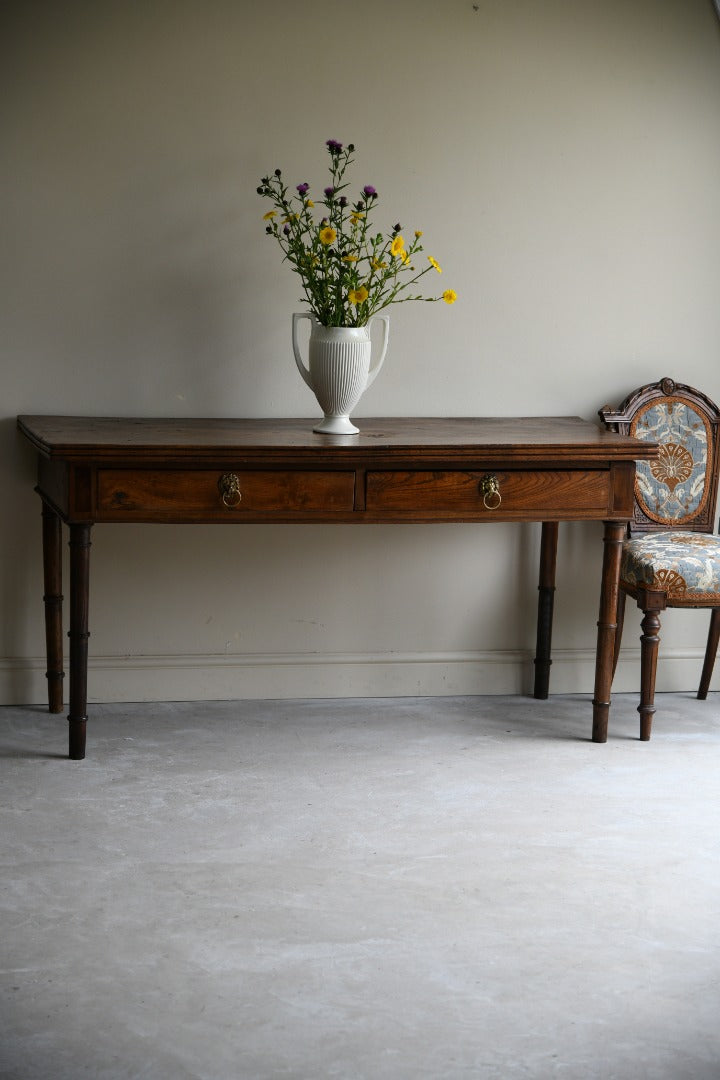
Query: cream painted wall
{"points": [[563, 161]]}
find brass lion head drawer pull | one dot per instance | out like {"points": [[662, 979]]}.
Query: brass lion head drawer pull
{"points": [[490, 490], [229, 485]]}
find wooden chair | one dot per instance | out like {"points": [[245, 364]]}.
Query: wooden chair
{"points": [[670, 557]]}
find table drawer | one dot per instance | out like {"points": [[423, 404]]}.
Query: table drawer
{"points": [[457, 491], [222, 491]]}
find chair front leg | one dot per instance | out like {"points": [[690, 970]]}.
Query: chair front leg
{"points": [[710, 653], [649, 641]]}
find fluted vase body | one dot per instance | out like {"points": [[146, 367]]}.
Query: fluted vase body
{"points": [[339, 369]]}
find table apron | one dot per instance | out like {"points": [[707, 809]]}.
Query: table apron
{"points": [[232, 493]]}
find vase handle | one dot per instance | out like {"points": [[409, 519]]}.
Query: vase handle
{"points": [[385, 320], [304, 371]]}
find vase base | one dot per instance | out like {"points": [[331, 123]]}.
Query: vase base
{"points": [[336, 425]]}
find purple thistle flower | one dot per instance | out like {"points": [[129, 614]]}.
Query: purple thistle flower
{"points": [[334, 146], [369, 191], [302, 189], [329, 192], [286, 230], [342, 201]]}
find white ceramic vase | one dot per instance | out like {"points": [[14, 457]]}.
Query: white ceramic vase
{"points": [[339, 368]]}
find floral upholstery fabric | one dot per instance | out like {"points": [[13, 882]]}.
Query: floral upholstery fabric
{"points": [[685, 565], [672, 488]]}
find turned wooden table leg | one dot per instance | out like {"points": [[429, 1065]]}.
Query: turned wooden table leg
{"points": [[53, 601], [546, 599], [78, 634], [607, 625]]}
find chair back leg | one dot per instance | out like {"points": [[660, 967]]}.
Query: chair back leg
{"points": [[710, 653], [619, 628]]}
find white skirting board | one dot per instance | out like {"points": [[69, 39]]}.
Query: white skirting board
{"points": [[201, 677]]}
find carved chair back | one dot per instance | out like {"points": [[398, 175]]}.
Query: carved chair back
{"points": [[677, 490]]}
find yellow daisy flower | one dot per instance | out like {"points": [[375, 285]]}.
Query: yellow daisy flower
{"points": [[270, 215], [433, 263], [397, 246], [449, 296], [358, 296], [327, 235]]}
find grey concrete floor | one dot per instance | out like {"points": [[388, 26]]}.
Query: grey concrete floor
{"points": [[407, 888]]}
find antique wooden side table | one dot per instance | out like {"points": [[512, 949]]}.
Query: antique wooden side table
{"points": [[543, 469]]}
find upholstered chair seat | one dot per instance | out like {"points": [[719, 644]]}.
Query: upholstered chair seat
{"points": [[685, 565]]}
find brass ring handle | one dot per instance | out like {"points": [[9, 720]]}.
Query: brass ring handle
{"points": [[229, 485], [490, 489]]}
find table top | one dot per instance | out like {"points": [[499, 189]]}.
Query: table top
{"points": [[568, 438]]}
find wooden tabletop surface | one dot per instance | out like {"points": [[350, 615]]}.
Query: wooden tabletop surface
{"points": [[78, 437]]}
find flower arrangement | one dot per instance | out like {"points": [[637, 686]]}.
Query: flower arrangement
{"points": [[348, 271]]}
